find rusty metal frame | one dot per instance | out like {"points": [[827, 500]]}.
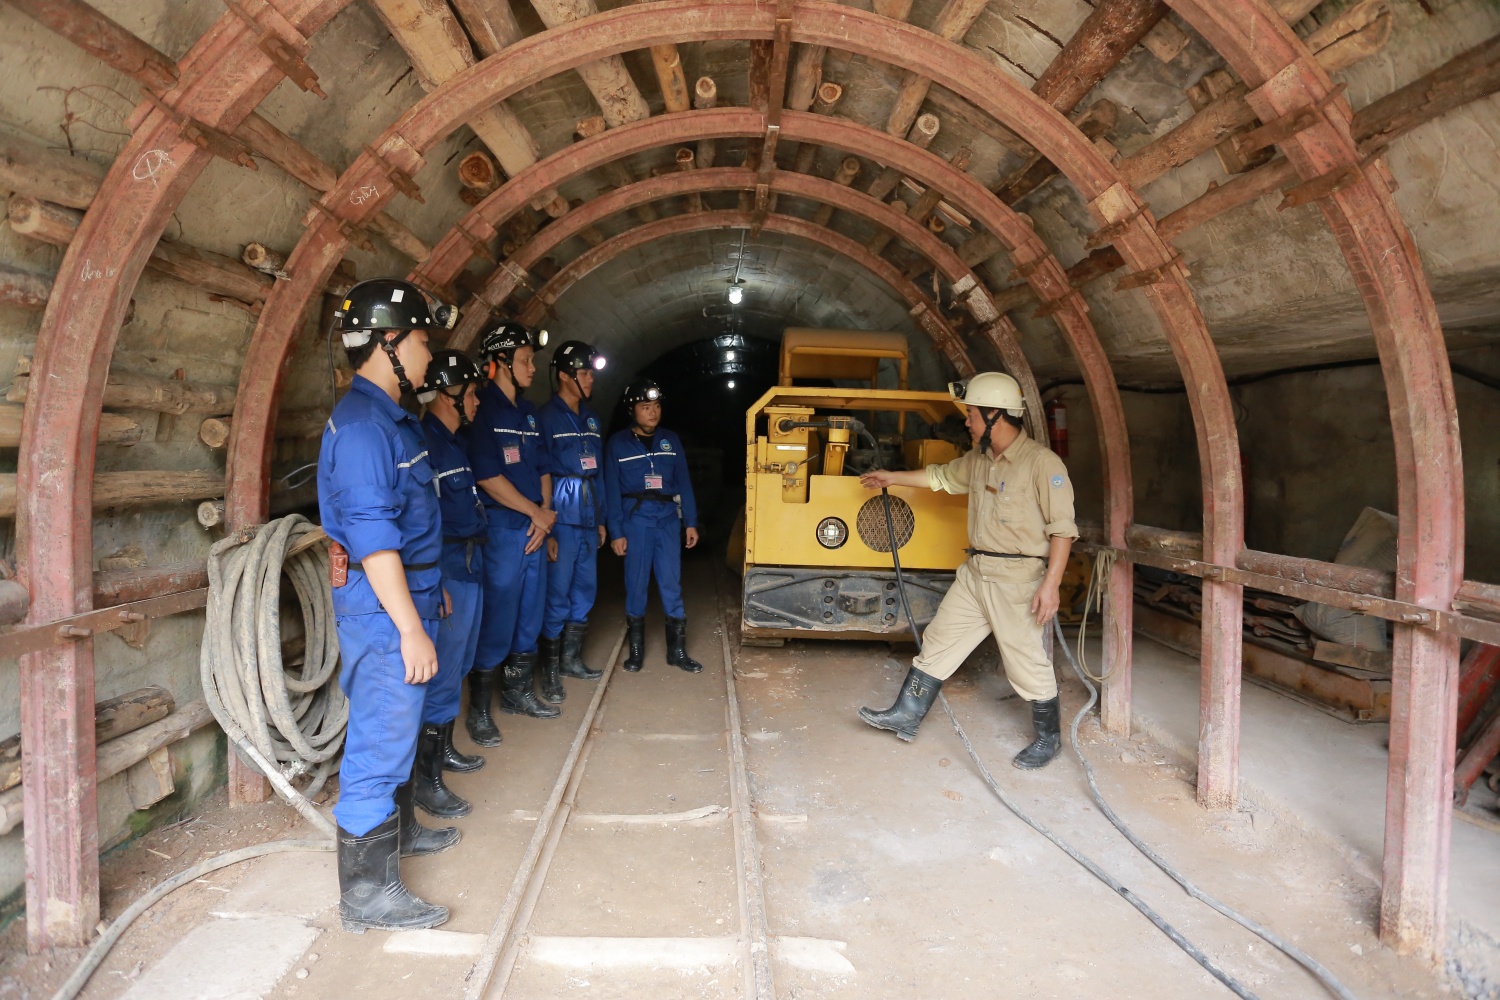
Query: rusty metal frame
{"points": [[1285, 78], [221, 80]]}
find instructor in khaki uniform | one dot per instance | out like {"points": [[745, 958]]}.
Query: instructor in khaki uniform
{"points": [[1021, 529]]}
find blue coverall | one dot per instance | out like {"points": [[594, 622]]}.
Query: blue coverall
{"points": [[644, 484], [507, 441], [462, 566], [376, 493], [576, 452]]}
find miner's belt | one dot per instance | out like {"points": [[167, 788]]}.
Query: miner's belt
{"points": [[1000, 555], [409, 568], [457, 540], [656, 495]]}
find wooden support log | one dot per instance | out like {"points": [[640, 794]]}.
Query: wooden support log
{"points": [[30, 169], [299, 163], [128, 586], [434, 42], [1104, 38], [952, 23], [674, 90], [923, 131], [291, 425], [112, 719], [478, 173], [925, 203], [114, 428], [847, 171], [685, 158], [491, 23], [22, 289], [101, 37], [132, 489], [123, 752], [706, 96], [607, 79], [212, 272], [1096, 122], [828, 97], [15, 603], [131, 391]]}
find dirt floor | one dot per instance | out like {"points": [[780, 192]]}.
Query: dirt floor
{"points": [[890, 869]]}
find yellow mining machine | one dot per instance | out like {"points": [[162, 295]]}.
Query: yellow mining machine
{"points": [[817, 545]]}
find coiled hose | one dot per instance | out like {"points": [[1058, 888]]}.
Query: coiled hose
{"points": [[293, 718]]}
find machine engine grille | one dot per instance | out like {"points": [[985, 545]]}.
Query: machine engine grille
{"points": [[871, 523]]}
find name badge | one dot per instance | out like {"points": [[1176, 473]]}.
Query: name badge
{"points": [[513, 454], [589, 463], [653, 482]]}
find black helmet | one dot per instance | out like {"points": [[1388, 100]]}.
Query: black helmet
{"points": [[642, 390], [450, 373], [507, 336], [388, 304], [575, 356]]}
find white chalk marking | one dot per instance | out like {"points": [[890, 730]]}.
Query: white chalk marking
{"points": [[432, 942]]}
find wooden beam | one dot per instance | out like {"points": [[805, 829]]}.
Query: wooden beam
{"points": [[126, 390], [827, 99], [615, 172], [491, 23], [433, 41], [705, 96], [112, 718], [101, 37], [114, 428], [1104, 38], [132, 489], [923, 131], [112, 588], [22, 289], [845, 174], [212, 272], [31, 169], [674, 90], [1095, 123], [608, 80], [925, 203], [953, 23]]}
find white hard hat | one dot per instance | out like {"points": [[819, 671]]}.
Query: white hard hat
{"points": [[995, 390]]}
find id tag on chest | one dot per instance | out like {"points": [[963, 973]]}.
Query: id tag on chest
{"points": [[588, 462], [653, 482], [513, 454]]}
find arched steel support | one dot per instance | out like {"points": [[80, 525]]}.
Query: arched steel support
{"points": [[1285, 79], [221, 81]]}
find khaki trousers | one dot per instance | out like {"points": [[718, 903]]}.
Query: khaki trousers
{"points": [[992, 596]]}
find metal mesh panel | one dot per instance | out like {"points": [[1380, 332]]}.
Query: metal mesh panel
{"points": [[871, 523]]}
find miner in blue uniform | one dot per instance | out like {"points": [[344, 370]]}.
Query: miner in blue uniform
{"points": [[451, 398], [379, 505], [571, 432], [511, 466], [647, 501]]}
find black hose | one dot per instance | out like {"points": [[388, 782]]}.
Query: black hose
{"points": [[1156, 919]]}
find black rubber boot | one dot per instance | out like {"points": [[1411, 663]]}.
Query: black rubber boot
{"points": [[572, 653], [371, 893], [1046, 719], [481, 721], [416, 839], [635, 630], [516, 696], [431, 794], [677, 646], [453, 758], [552, 685], [918, 692]]}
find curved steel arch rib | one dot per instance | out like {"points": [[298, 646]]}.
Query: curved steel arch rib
{"points": [[1387, 270], [221, 80]]}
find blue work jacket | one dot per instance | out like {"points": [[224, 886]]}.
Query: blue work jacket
{"points": [[458, 498], [507, 441], [576, 450], [377, 491], [631, 466]]}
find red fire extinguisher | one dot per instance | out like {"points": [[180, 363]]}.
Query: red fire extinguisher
{"points": [[1057, 427]]}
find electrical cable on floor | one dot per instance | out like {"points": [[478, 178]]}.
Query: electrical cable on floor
{"points": [[95, 955], [1161, 924], [1280, 944]]}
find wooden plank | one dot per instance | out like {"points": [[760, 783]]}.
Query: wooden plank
{"points": [[112, 718]]}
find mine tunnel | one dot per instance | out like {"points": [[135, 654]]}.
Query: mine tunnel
{"points": [[1177, 317]]}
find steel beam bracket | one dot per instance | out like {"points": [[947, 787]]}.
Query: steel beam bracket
{"points": [[400, 179], [1288, 125], [1112, 231], [1327, 184], [1152, 275], [280, 42], [475, 243], [1052, 306], [206, 137], [1024, 270], [348, 230]]}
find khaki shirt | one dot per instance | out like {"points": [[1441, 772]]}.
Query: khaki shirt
{"points": [[1017, 502]]}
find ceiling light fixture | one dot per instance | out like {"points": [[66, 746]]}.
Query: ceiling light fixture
{"points": [[736, 293], [731, 383]]}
